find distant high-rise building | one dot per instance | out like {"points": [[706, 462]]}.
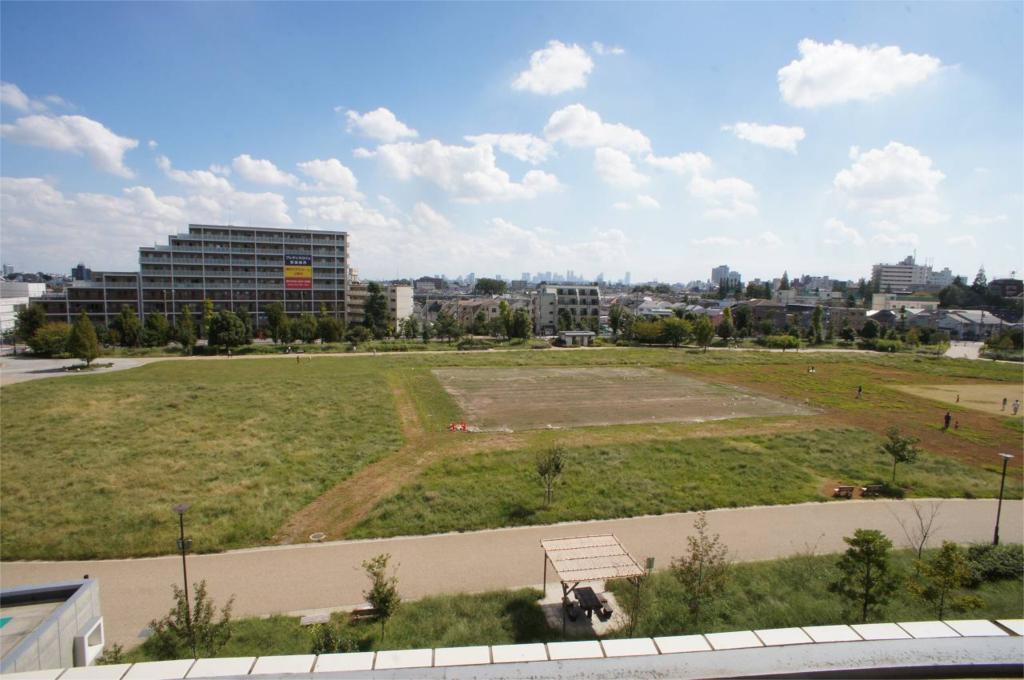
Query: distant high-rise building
{"points": [[525, 276], [81, 273], [719, 273], [625, 279], [8, 269]]}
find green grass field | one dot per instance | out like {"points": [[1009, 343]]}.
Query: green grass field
{"points": [[779, 593], [679, 475], [91, 465]]}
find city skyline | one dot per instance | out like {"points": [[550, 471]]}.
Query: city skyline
{"points": [[639, 138]]}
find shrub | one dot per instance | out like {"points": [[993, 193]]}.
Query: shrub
{"points": [[995, 562], [50, 339], [782, 342], [473, 343]]}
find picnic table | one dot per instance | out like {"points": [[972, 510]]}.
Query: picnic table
{"points": [[842, 492], [871, 490], [589, 601]]}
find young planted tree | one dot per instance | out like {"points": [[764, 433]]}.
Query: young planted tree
{"points": [[550, 465], [726, 329], [157, 331], [176, 635], [246, 318], [186, 330], [204, 328], [82, 342], [50, 339], [817, 326], [447, 326], [901, 449], [704, 570], [615, 318], [865, 580], [870, 330], [920, 526], [410, 328], [226, 330], [128, 327], [941, 578], [375, 311], [28, 320], [383, 593], [675, 330], [276, 320], [304, 328], [703, 332], [522, 324]]}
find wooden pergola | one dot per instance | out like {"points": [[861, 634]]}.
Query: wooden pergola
{"points": [[582, 559]]}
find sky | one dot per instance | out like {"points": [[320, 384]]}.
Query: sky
{"points": [[659, 139]]}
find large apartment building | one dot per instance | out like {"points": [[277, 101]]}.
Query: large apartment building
{"points": [[574, 305], [235, 267], [908, 276]]}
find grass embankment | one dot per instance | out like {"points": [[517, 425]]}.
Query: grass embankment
{"points": [[778, 593], [501, 488], [92, 466], [794, 592]]}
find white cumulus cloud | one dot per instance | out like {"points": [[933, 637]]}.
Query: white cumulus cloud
{"points": [[645, 201], [896, 184], [469, 173], [837, 72], [726, 198], [555, 69], [77, 134], [379, 124], [616, 168], [837, 233], [12, 96], [772, 136], [331, 175], [601, 49], [578, 126], [525, 147], [203, 180], [261, 171], [681, 164]]}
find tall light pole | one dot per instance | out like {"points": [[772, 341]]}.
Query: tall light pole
{"points": [[183, 545], [999, 508]]}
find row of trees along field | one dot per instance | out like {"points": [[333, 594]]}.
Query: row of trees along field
{"points": [[686, 327]]}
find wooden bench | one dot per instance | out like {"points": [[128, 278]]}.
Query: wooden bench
{"points": [[366, 611], [842, 492], [871, 490]]}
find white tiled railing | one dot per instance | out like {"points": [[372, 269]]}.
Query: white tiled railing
{"points": [[809, 636]]}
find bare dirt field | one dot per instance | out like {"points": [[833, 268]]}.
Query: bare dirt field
{"points": [[511, 399], [983, 397]]}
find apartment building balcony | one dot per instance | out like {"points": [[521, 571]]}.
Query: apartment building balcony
{"points": [[187, 260]]}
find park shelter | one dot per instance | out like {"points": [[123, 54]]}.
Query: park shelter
{"points": [[588, 558]]}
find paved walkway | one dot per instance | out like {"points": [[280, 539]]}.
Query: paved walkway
{"points": [[18, 369], [328, 575], [964, 350]]}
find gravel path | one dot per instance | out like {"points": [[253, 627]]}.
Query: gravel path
{"points": [[328, 575]]}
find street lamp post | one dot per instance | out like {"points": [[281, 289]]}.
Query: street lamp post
{"points": [[999, 508], [183, 545]]}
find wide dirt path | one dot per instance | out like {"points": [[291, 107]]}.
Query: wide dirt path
{"points": [[328, 575]]}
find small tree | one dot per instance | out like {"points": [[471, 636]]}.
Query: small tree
{"points": [[28, 320], [704, 570], [383, 593], [675, 330], [489, 287], [375, 310], [522, 324], [920, 526], [157, 331], [816, 325], [447, 326], [246, 318], [276, 320], [410, 328], [870, 329], [204, 329], [304, 328], [550, 465], [329, 329], [226, 330], [186, 329], [173, 635], [128, 327], [357, 334], [865, 580], [615, 318], [902, 449], [703, 331], [82, 342], [940, 579], [50, 339]]}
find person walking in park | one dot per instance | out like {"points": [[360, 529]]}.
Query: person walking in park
{"points": [[860, 390], [1004, 404], [945, 421], [1016, 406]]}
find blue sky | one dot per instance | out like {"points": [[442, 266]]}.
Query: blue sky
{"points": [[661, 139]]}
